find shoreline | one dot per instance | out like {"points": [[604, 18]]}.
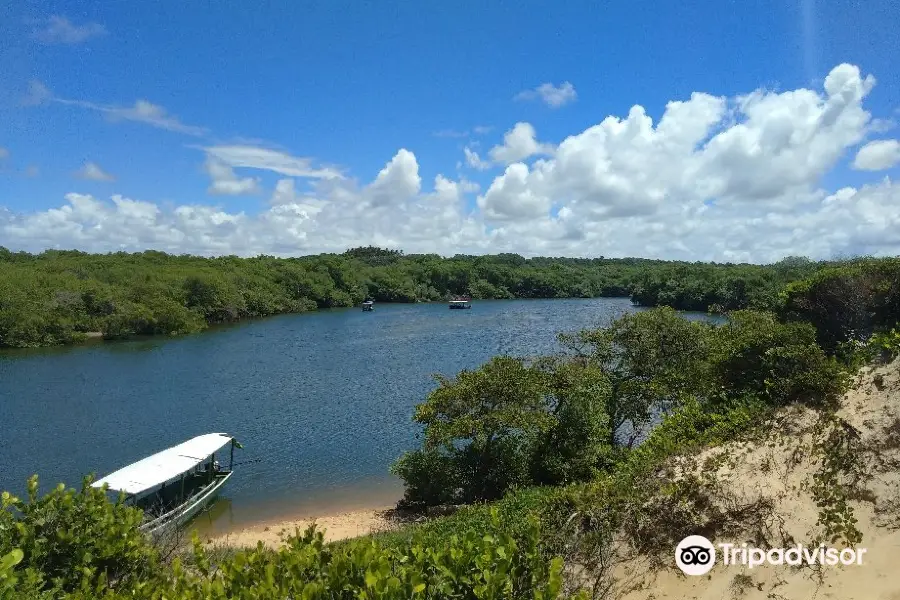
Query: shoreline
{"points": [[96, 337], [341, 525]]}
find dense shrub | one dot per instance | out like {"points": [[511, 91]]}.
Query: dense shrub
{"points": [[431, 476], [846, 304], [576, 447], [74, 539], [479, 427], [698, 286], [79, 546], [465, 566], [513, 514], [754, 354], [652, 360], [885, 346]]}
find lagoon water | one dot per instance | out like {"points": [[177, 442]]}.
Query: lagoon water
{"points": [[322, 402]]}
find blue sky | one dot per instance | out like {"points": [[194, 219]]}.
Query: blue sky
{"points": [[348, 84]]}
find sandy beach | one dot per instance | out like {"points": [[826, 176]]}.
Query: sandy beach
{"points": [[341, 526]]}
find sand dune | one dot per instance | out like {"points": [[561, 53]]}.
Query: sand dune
{"points": [[782, 473]]}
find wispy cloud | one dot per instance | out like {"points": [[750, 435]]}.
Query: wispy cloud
{"points": [[808, 28], [4, 153], [143, 111], [451, 133], [93, 172], [456, 133], [37, 94], [475, 161], [59, 30], [256, 157], [32, 171], [550, 94]]}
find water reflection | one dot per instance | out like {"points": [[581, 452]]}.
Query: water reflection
{"points": [[218, 518]]}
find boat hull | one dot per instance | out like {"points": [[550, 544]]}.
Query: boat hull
{"points": [[187, 511]]}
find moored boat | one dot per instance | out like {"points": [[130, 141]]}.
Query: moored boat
{"points": [[461, 303], [173, 485], [368, 305]]}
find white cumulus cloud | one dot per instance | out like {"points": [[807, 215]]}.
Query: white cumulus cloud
{"points": [[877, 156], [226, 182], [392, 210], [514, 197], [284, 192], [519, 143], [714, 178]]}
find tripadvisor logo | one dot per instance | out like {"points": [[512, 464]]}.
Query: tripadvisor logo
{"points": [[696, 555]]}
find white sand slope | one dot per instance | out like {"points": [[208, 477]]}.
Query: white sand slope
{"points": [[782, 473]]}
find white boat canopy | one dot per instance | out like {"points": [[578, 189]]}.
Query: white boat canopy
{"points": [[163, 466]]}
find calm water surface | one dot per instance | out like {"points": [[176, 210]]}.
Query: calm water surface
{"points": [[322, 402]]}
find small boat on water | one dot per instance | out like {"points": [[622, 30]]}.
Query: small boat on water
{"points": [[172, 486], [461, 303], [368, 305]]}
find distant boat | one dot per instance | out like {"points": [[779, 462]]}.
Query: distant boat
{"points": [[461, 303], [172, 486], [368, 305]]}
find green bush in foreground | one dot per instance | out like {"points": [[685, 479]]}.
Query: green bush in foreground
{"points": [[468, 565], [74, 539]]}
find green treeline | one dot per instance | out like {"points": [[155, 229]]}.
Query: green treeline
{"points": [[562, 462], [58, 297]]}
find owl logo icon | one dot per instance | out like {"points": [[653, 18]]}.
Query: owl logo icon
{"points": [[695, 555]]}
